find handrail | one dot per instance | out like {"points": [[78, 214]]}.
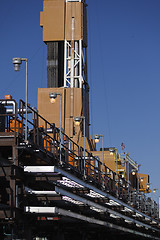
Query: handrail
{"points": [[72, 153]]}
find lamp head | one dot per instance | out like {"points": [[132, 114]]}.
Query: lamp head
{"points": [[17, 62], [77, 121], [154, 190], [148, 185], [53, 97], [133, 173], [111, 151], [96, 138]]}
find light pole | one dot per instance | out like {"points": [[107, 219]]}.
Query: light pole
{"points": [[114, 151], [145, 190], [53, 97], [97, 137], [135, 172], [158, 207], [138, 178], [17, 62], [77, 121], [158, 201]]}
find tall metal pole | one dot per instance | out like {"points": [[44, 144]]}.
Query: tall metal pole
{"points": [[17, 62], [78, 121], [117, 172], [103, 168], [84, 129], [53, 96], [138, 186], [159, 207], [137, 182], [128, 179], [103, 183], [26, 99], [60, 128], [145, 193]]}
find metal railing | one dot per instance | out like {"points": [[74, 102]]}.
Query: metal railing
{"points": [[46, 136]]}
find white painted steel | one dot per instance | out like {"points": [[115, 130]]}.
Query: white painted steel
{"points": [[74, 63], [59, 211], [97, 207], [54, 169], [32, 209]]}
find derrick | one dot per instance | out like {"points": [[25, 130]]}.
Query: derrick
{"points": [[54, 182]]}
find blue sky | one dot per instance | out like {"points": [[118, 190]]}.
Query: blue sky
{"points": [[123, 69]]}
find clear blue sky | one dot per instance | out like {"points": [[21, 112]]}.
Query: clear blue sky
{"points": [[123, 69]]}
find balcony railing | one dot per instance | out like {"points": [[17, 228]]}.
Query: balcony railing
{"points": [[47, 138]]}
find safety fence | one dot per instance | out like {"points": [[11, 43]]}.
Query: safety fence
{"points": [[64, 151]]}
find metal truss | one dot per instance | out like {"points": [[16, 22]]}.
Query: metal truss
{"points": [[74, 64]]}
